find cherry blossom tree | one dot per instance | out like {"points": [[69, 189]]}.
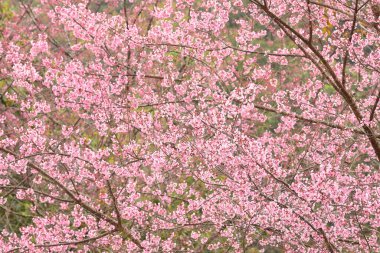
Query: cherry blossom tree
{"points": [[190, 126]]}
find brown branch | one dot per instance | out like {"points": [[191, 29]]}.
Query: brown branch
{"points": [[16, 213], [278, 180], [35, 21], [69, 243], [150, 22], [349, 241], [346, 54], [77, 200], [313, 121], [372, 115], [331, 248], [330, 7], [265, 53], [114, 202], [287, 114], [362, 232], [227, 46], [64, 188], [125, 13], [15, 187], [310, 22], [213, 237], [337, 86], [76, 242]]}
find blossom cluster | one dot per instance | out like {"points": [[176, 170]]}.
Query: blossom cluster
{"points": [[190, 126]]}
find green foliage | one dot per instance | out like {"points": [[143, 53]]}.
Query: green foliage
{"points": [[329, 89], [270, 124], [15, 214], [5, 14]]}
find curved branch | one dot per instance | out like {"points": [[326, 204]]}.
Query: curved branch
{"points": [[77, 200], [338, 86]]}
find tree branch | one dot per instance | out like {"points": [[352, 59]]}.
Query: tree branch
{"points": [[68, 243], [372, 115], [76, 199], [345, 58], [337, 83]]}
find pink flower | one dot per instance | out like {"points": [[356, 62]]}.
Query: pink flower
{"points": [[40, 46]]}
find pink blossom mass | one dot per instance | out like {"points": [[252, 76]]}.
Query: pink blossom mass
{"points": [[189, 126]]}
